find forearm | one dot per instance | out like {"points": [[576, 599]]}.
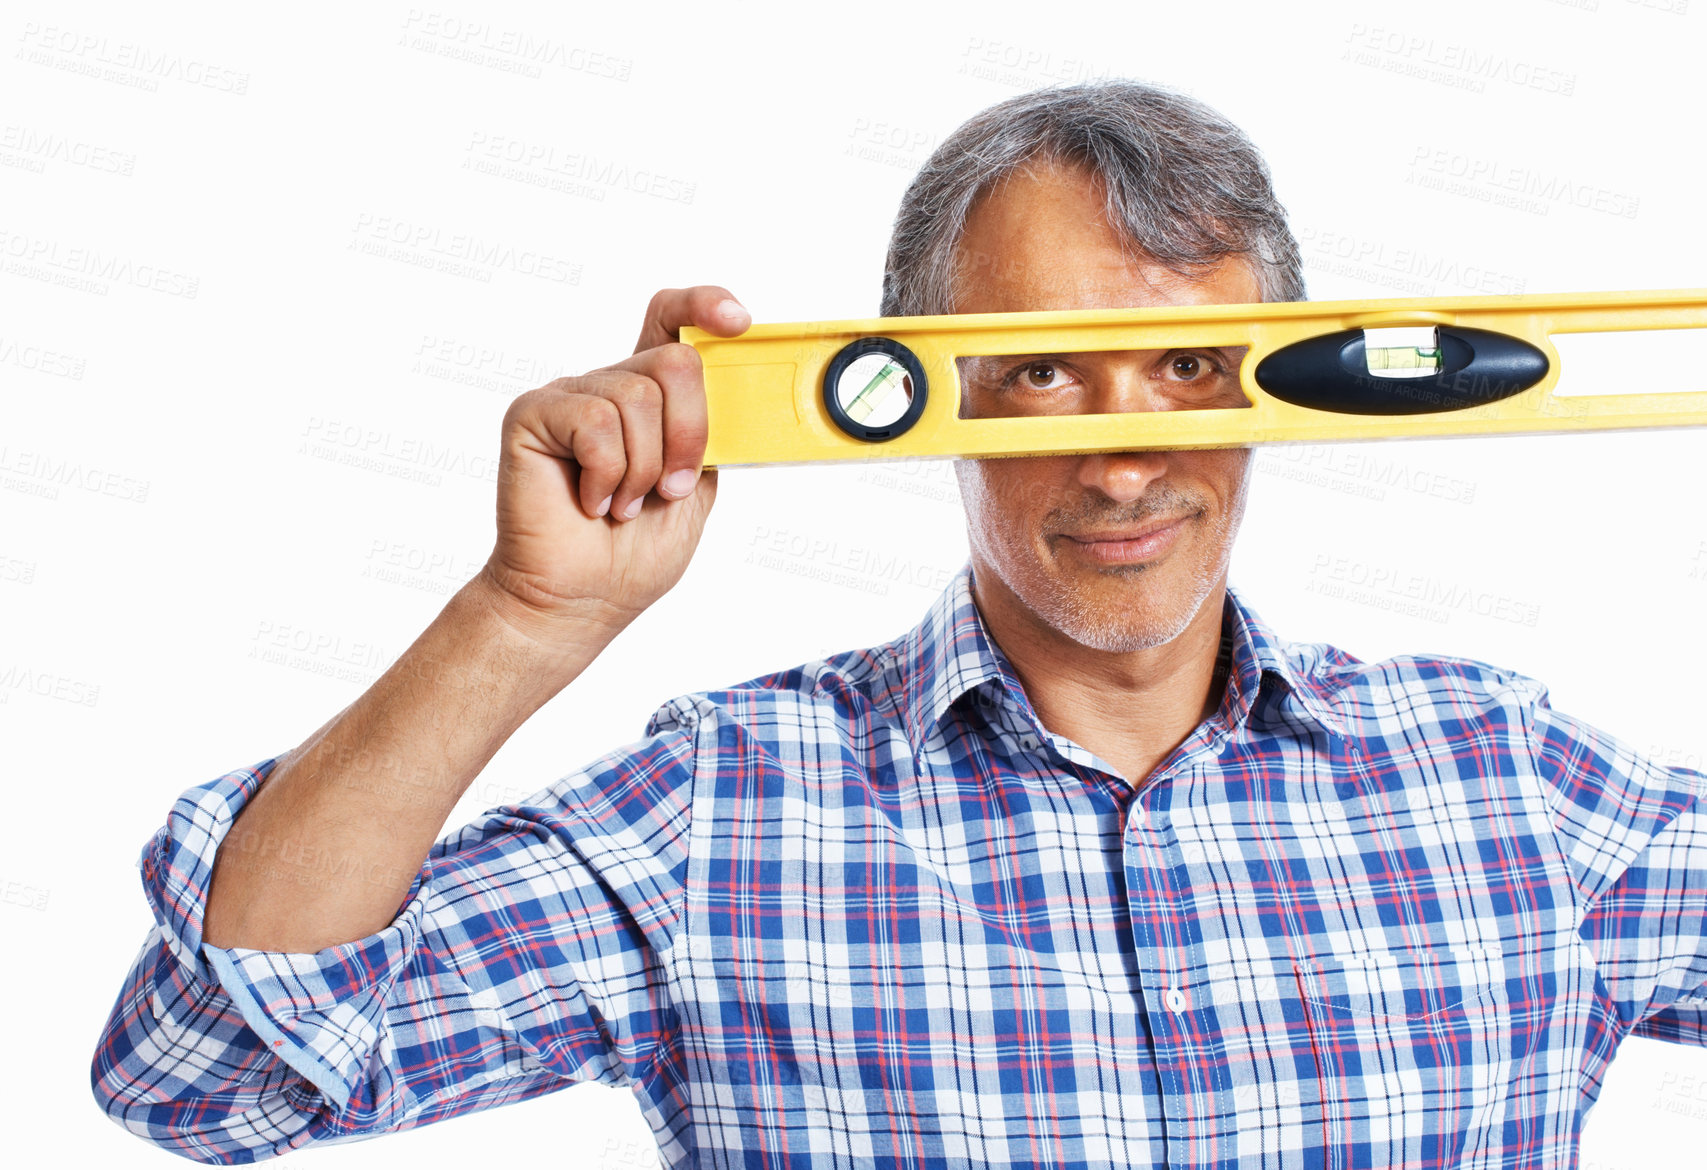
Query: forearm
{"points": [[327, 849]]}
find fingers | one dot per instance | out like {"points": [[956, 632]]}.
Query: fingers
{"points": [[597, 446], [612, 427], [584, 429], [640, 405], [675, 370], [708, 306], [638, 426], [631, 429]]}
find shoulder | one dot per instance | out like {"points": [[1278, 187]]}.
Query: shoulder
{"points": [[1475, 720], [866, 684], [1446, 692], [1374, 700], [1455, 698]]}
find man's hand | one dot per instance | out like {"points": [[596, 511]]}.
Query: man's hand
{"points": [[593, 526], [601, 497]]}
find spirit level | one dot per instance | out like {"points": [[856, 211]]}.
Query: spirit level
{"points": [[1313, 371]]}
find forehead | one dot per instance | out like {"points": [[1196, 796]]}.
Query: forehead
{"points": [[1041, 240]]}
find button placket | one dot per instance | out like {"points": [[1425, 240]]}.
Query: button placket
{"points": [[1192, 1096]]}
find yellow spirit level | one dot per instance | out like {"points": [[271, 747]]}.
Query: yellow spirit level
{"points": [[1313, 371]]}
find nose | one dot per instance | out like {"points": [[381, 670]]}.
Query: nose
{"points": [[1122, 476]]}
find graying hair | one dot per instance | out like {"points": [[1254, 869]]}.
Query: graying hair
{"points": [[1186, 186]]}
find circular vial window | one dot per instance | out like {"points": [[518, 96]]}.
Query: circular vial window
{"points": [[874, 389]]}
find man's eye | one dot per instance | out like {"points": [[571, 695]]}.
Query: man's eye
{"points": [[1188, 367], [1041, 376]]}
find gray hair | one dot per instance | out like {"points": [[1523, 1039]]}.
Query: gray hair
{"points": [[1185, 184]]}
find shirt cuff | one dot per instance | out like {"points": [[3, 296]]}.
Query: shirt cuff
{"points": [[1684, 1022], [323, 1014]]}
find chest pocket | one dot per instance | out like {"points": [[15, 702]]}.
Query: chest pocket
{"points": [[1412, 1053]]}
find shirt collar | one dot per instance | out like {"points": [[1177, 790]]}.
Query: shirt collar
{"points": [[1259, 655], [951, 652], [948, 654]]}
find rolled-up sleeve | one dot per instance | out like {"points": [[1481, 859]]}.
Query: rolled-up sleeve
{"points": [[1635, 838], [529, 953]]}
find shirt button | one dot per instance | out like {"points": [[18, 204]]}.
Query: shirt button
{"points": [[1175, 1000]]}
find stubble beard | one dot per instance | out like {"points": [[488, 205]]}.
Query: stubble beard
{"points": [[1145, 617]]}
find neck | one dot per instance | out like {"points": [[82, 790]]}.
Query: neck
{"points": [[1131, 708]]}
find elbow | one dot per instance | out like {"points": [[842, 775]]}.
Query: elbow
{"points": [[140, 1101], [190, 1081], [192, 1128]]}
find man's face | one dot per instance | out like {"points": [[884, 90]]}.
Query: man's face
{"points": [[1116, 551]]}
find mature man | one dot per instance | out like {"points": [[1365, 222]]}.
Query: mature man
{"points": [[1089, 869]]}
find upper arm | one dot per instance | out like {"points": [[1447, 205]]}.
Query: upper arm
{"points": [[526, 957], [1635, 836], [558, 915]]}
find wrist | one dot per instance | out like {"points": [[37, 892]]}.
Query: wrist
{"points": [[569, 633]]}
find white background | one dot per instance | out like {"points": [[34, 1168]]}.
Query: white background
{"points": [[196, 581]]}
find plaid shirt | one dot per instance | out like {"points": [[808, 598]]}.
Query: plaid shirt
{"points": [[871, 911]]}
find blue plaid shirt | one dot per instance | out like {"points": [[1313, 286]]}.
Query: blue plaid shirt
{"points": [[871, 911]]}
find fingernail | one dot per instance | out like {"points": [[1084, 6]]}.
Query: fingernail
{"points": [[604, 506], [678, 483], [633, 508], [731, 311]]}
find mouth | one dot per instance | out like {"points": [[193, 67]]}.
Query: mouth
{"points": [[1124, 546]]}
